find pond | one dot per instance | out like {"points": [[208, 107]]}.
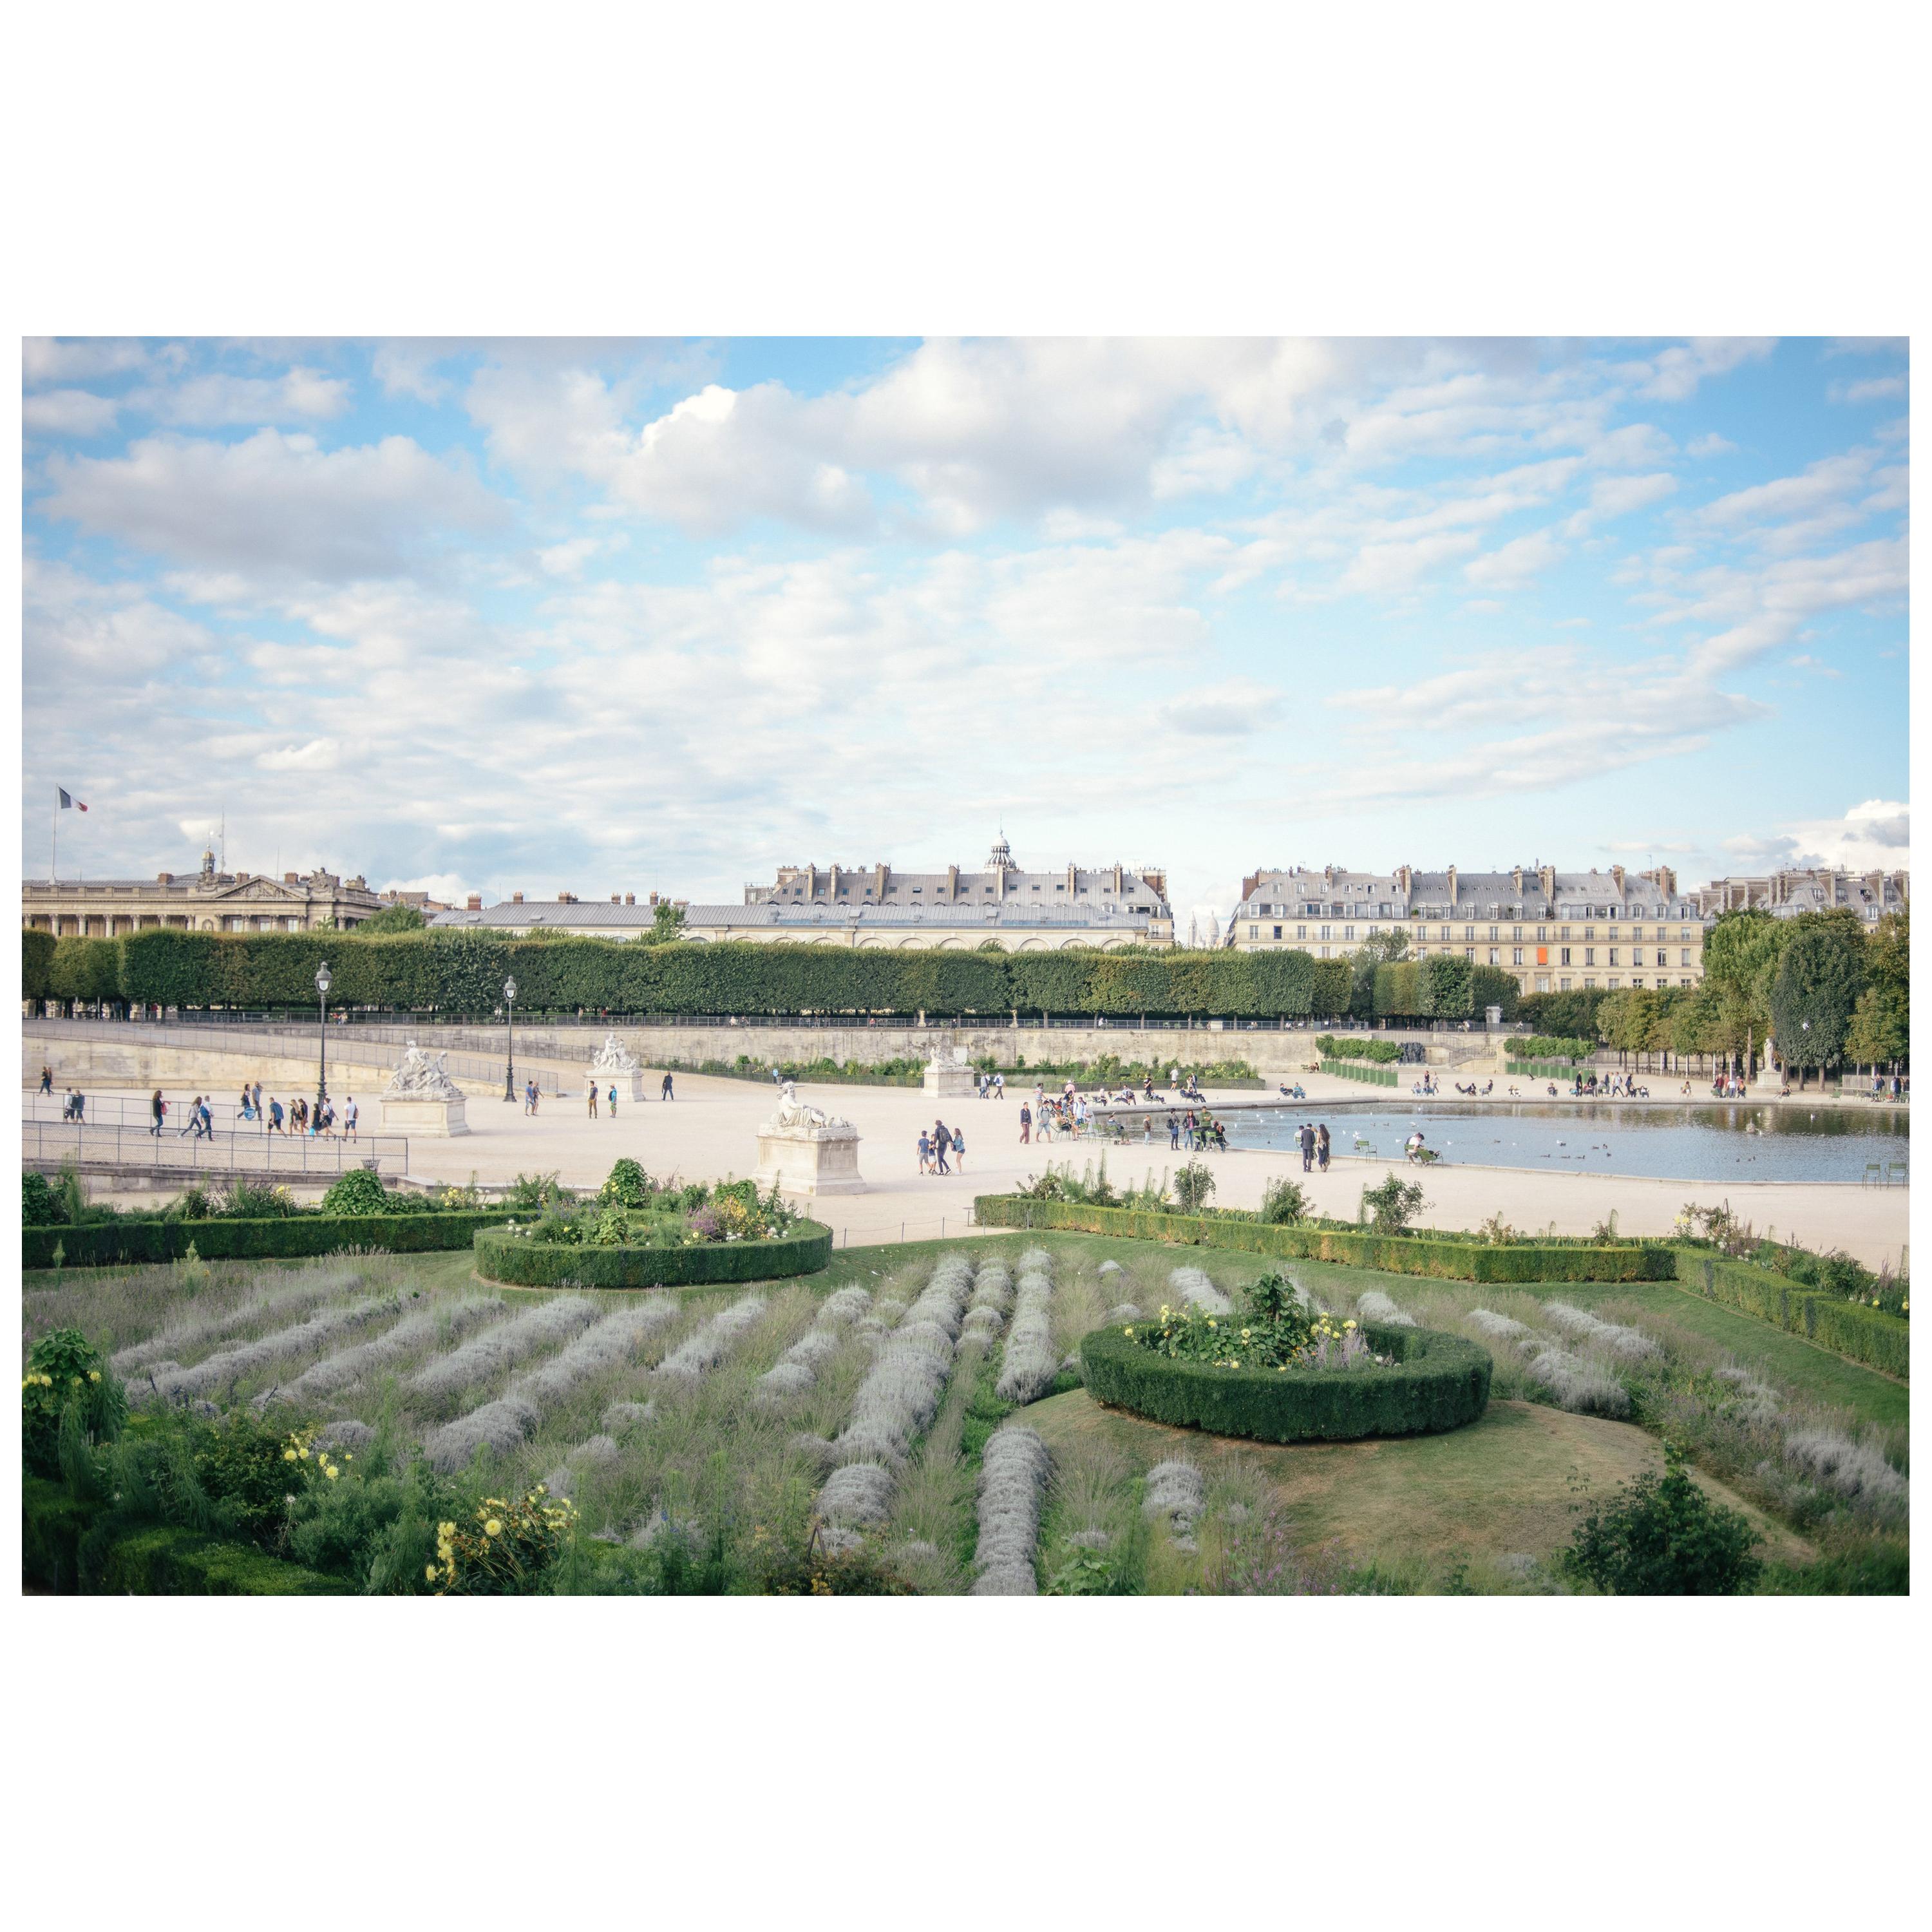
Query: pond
{"points": [[1713, 1141]]}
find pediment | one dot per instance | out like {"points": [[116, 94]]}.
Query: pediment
{"points": [[261, 888]]}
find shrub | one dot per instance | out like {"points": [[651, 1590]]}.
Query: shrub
{"points": [[1391, 1207], [1284, 1201], [526, 1260], [1193, 1187], [1858, 1332], [627, 1185], [1663, 1537], [38, 1207], [1434, 1381], [359, 1192], [504, 1548], [531, 1193], [67, 1384]]}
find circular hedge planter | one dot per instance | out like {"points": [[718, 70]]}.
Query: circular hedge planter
{"points": [[522, 1263], [1439, 1381]]}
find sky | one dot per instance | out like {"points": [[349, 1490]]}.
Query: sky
{"points": [[633, 615]]}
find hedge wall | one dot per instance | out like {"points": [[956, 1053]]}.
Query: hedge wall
{"points": [[154, 1561], [1440, 1382], [37, 955], [114, 1243], [1363, 1070], [1861, 1334], [504, 1257], [463, 972], [1393, 1254]]}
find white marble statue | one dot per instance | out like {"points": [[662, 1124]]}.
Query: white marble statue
{"points": [[420, 1077], [614, 1057], [796, 1117]]}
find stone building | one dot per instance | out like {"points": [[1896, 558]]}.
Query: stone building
{"points": [[1811, 889], [624, 916], [1104, 907], [1554, 931], [204, 902]]}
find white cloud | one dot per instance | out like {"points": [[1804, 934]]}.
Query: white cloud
{"points": [[1232, 709], [1873, 389], [1874, 837], [275, 505], [1516, 563], [1675, 374], [68, 413], [1711, 444], [319, 754], [217, 400], [48, 359]]}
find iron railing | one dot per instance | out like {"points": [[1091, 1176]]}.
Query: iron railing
{"points": [[282, 1157]]}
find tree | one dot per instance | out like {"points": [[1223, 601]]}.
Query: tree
{"points": [[1379, 949], [1879, 1034], [1742, 953], [1447, 984], [392, 919], [1663, 1537], [37, 956], [666, 921], [1816, 992]]}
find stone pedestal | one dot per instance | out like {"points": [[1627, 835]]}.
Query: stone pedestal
{"points": [[810, 1161], [948, 1076], [615, 1065], [432, 1116], [629, 1083]]}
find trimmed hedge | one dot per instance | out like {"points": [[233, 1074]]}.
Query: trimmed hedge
{"points": [[153, 1561], [505, 1257], [1356, 1069], [1848, 1328], [1393, 1254], [462, 972], [131, 1242], [1440, 1382]]}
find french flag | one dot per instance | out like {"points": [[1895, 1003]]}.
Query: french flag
{"points": [[67, 799]]}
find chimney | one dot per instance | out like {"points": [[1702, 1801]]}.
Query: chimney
{"points": [[291, 878], [653, 899], [1516, 881], [1617, 873], [951, 883], [617, 899], [475, 903], [164, 878], [565, 898], [1452, 889], [516, 898], [630, 898]]}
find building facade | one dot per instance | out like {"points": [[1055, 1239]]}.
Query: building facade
{"points": [[1785, 895], [204, 902], [1105, 907], [1554, 931], [623, 916]]}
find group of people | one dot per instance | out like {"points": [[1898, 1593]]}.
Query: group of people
{"points": [[1067, 1114], [938, 1140], [1313, 1142], [992, 1086], [300, 1117], [1618, 1087]]}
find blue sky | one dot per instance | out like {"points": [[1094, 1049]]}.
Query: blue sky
{"points": [[609, 615]]}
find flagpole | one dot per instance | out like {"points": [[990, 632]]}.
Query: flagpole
{"points": [[53, 863]]}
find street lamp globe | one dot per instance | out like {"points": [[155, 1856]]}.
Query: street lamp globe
{"points": [[509, 989], [321, 979]]}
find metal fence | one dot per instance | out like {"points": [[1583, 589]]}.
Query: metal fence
{"points": [[50, 1143], [357, 1046]]}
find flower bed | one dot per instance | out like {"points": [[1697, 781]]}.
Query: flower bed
{"points": [[1429, 1382], [1449, 1260], [521, 1261]]}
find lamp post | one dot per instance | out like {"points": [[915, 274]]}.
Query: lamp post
{"points": [[510, 1038], [322, 985]]}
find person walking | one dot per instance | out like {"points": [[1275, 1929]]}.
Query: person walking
{"points": [[1000, 1086], [1322, 1147], [590, 1095], [529, 1097], [664, 1092], [925, 1151], [350, 1116], [614, 1100], [1173, 1130], [194, 1117], [242, 1107], [158, 1108], [274, 1116], [1026, 1125], [47, 1081], [1306, 1139], [257, 1090], [942, 1139], [959, 1149], [207, 1121]]}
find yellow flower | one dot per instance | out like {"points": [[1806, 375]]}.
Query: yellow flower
{"points": [[429, 1571], [329, 1470], [303, 1452], [1128, 1332], [93, 1375], [493, 1528], [288, 1455], [1347, 1325]]}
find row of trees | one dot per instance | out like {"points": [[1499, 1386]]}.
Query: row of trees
{"points": [[462, 973], [1829, 991]]}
